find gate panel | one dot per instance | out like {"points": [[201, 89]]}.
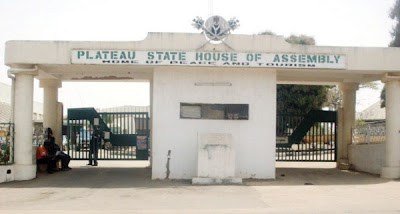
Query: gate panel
{"points": [[124, 135], [310, 137]]}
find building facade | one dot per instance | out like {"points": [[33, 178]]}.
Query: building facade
{"points": [[187, 74]]}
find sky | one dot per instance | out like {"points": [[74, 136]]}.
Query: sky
{"points": [[332, 23]]}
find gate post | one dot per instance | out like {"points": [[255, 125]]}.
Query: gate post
{"points": [[51, 108], [391, 167], [346, 121], [25, 167]]}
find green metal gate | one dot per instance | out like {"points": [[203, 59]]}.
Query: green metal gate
{"points": [[310, 137], [124, 135]]}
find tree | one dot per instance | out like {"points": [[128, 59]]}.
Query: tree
{"points": [[299, 99], [333, 98], [267, 32], [395, 15], [300, 39], [383, 97]]}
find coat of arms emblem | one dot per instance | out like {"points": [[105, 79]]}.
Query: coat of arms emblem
{"points": [[216, 28]]}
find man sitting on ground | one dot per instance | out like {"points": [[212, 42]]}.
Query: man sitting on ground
{"points": [[54, 154]]}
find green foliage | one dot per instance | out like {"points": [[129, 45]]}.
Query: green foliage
{"points": [[371, 85], [383, 97], [4, 153], [267, 32], [395, 15], [300, 99], [300, 39], [360, 123], [333, 98]]}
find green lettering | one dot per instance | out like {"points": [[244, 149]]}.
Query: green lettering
{"points": [[337, 58], [225, 57], [114, 54], [321, 59], [150, 55], [276, 58], [199, 56], [311, 59], [216, 56], [293, 58], [182, 56], [122, 55], [166, 56], [207, 56], [234, 56], [159, 55], [302, 58], [249, 57], [98, 55], [173, 55], [105, 54], [131, 54], [285, 58], [258, 56], [80, 53]]}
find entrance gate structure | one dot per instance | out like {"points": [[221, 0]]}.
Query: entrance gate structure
{"points": [[186, 68], [310, 137], [124, 135]]}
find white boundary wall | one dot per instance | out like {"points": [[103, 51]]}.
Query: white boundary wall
{"points": [[367, 157], [4, 176], [253, 139]]}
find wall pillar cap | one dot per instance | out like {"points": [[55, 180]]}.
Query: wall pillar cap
{"points": [[345, 86], [29, 69], [389, 78]]}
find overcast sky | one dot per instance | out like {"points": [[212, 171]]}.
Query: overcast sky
{"points": [[332, 23]]}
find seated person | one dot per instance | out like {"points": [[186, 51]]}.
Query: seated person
{"points": [[54, 154]]}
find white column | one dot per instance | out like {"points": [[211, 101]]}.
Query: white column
{"points": [[12, 99], [151, 122], [391, 168], [25, 167], [50, 107], [347, 117]]}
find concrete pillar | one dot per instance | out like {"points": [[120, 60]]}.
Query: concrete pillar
{"points": [[346, 121], [51, 108], [25, 167], [391, 168], [12, 100], [151, 122]]}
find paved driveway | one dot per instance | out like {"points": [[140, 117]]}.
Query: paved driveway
{"points": [[120, 188]]}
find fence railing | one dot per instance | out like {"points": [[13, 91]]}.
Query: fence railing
{"points": [[285, 124], [6, 143], [128, 136], [318, 143], [369, 132]]}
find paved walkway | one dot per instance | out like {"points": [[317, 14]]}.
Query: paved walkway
{"points": [[125, 189]]}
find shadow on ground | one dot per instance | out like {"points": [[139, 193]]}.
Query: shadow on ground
{"points": [[128, 177], [97, 177], [317, 176]]}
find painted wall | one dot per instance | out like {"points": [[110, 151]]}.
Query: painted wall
{"points": [[367, 157], [253, 139], [6, 173]]}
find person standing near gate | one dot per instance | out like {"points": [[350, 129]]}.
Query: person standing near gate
{"points": [[94, 146]]}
